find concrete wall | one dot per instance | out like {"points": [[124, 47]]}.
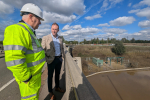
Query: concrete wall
{"points": [[77, 85]]}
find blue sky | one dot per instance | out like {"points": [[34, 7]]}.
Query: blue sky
{"points": [[85, 19]]}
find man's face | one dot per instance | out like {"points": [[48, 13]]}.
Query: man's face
{"points": [[54, 30], [36, 22]]}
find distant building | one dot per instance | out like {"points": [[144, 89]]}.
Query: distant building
{"points": [[112, 44]]}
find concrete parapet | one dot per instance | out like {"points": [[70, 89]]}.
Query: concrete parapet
{"points": [[78, 62], [77, 85]]}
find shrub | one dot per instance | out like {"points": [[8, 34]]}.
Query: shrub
{"points": [[118, 48], [79, 54]]}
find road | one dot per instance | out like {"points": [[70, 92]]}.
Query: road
{"points": [[7, 91]]}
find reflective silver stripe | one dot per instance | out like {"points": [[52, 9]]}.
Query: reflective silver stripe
{"points": [[28, 96], [35, 63], [34, 51], [15, 47], [24, 27], [15, 62]]}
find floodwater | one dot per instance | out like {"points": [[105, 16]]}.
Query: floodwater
{"points": [[127, 85]]}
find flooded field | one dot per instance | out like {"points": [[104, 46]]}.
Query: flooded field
{"points": [[127, 85]]}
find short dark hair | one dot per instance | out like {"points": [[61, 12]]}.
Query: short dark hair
{"points": [[55, 24]]}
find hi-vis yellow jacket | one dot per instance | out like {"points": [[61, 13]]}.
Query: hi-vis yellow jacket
{"points": [[25, 57]]}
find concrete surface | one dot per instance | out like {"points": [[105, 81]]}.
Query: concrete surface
{"points": [[11, 92], [78, 62]]}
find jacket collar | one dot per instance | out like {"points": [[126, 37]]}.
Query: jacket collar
{"points": [[54, 37], [29, 26]]}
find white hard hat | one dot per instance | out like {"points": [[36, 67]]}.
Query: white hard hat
{"points": [[32, 8]]}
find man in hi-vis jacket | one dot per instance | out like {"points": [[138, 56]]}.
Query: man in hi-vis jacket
{"points": [[24, 55]]}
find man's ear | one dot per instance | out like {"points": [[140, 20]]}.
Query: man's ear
{"points": [[30, 16]]}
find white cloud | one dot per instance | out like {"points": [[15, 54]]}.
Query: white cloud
{"points": [[129, 5], [54, 17], [77, 27], [144, 24], [75, 32], [134, 11], [61, 11], [122, 21], [65, 7], [115, 1], [142, 3], [107, 33], [67, 27], [102, 25], [44, 26], [114, 30], [105, 4], [142, 35], [44, 29], [108, 4], [5, 9], [144, 13], [87, 31], [93, 17]]}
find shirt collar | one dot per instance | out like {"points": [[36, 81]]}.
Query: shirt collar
{"points": [[30, 27], [54, 37]]}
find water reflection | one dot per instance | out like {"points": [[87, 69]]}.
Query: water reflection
{"points": [[131, 72], [127, 85]]}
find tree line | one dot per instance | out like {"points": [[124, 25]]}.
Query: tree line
{"points": [[102, 41]]}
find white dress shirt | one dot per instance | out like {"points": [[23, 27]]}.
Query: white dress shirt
{"points": [[56, 45]]}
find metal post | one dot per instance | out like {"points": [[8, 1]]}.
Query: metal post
{"points": [[117, 60], [121, 61]]}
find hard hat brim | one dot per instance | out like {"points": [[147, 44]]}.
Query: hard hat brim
{"points": [[42, 19]]}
